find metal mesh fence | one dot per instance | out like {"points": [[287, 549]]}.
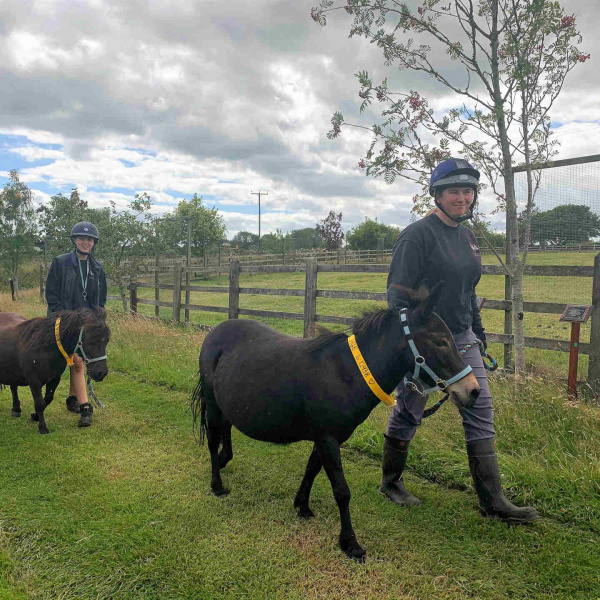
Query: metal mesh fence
{"points": [[565, 225]]}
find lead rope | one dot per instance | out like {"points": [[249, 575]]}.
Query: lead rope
{"points": [[492, 366]]}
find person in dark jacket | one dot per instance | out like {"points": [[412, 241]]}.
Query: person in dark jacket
{"points": [[439, 248], [77, 280]]}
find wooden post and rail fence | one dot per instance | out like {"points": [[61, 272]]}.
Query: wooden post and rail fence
{"points": [[311, 293]]}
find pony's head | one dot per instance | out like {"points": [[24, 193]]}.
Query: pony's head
{"points": [[94, 339], [435, 344]]}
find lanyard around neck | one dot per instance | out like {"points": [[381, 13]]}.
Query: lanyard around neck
{"points": [[84, 282]]}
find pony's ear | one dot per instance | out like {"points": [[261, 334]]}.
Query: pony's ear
{"points": [[428, 303], [100, 312], [411, 295]]}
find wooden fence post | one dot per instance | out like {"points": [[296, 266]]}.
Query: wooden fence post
{"points": [[594, 364], [177, 292], [132, 298], [156, 284], [310, 298], [234, 289], [42, 283]]}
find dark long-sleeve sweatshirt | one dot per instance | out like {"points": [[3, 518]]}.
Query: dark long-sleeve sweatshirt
{"points": [[430, 249]]}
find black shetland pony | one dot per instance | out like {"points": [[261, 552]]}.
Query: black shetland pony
{"points": [[282, 389], [29, 354]]}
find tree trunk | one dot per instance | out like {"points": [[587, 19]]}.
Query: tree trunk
{"points": [[518, 319]]}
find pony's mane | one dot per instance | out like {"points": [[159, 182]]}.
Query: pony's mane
{"points": [[324, 339], [370, 320], [39, 332]]}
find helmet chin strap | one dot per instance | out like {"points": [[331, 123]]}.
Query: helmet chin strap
{"points": [[467, 215]]}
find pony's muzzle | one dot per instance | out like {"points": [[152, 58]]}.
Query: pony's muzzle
{"points": [[464, 393], [99, 373]]}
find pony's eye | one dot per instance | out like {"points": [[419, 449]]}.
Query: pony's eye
{"points": [[443, 343]]}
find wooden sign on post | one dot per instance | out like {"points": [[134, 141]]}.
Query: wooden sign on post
{"points": [[576, 314]]}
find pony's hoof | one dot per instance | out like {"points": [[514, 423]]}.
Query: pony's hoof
{"points": [[15, 413], [44, 431], [34, 417], [305, 513], [221, 493], [353, 550]]}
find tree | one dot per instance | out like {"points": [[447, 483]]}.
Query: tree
{"points": [[56, 219], [272, 243], [365, 235], [330, 229], [306, 238], [514, 56], [208, 226], [17, 226], [245, 240], [126, 236], [567, 224]]}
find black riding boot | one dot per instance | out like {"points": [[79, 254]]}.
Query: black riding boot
{"points": [[86, 415], [486, 477], [395, 453], [72, 404]]}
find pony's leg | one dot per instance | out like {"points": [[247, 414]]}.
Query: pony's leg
{"points": [[40, 405], [16, 409], [50, 389], [226, 453], [214, 418], [329, 449], [312, 470]]}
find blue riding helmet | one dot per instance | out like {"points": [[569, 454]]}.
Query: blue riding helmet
{"points": [[454, 172], [85, 228]]}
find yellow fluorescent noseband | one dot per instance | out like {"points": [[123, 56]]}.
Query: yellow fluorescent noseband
{"points": [[387, 399], [68, 358]]}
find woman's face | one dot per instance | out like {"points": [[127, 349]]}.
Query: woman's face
{"points": [[84, 243], [456, 201]]}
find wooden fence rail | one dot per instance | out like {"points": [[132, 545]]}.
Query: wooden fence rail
{"points": [[311, 292]]}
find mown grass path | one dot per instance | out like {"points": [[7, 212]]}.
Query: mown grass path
{"points": [[124, 510]]}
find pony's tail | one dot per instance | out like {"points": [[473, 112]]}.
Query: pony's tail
{"points": [[198, 407]]}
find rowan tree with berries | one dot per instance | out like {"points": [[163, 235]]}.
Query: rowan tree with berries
{"points": [[514, 57]]}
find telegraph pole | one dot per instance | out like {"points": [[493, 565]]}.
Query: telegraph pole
{"points": [[259, 193]]}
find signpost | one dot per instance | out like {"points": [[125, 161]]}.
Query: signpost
{"points": [[576, 314]]}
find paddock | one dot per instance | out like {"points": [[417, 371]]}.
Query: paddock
{"points": [[124, 510]]}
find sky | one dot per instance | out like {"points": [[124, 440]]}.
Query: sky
{"points": [[219, 98]]}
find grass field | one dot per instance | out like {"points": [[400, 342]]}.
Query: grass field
{"points": [[124, 510]]}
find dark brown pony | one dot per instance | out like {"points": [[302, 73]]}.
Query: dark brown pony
{"points": [[281, 389], [29, 354]]}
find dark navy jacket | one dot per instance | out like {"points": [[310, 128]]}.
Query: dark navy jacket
{"points": [[63, 284]]}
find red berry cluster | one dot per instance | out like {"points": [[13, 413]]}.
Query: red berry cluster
{"points": [[567, 22], [415, 102]]}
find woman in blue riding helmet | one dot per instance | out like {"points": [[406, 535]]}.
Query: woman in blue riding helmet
{"points": [[438, 248], [77, 280]]}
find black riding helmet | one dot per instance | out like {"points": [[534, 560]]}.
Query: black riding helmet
{"points": [[85, 228], [451, 173]]}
